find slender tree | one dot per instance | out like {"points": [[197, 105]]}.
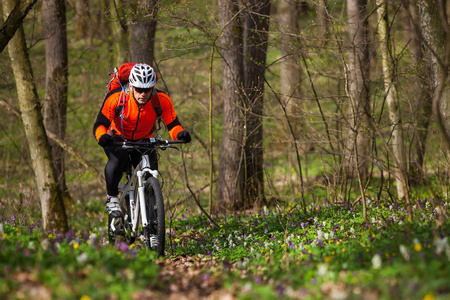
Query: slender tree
{"points": [[82, 17], [391, 94], [288, 12], [255, 52], [119, 30], [231, 163], [55, 103], [358, 142], [52, 205], [421, 105], [13, 21]]}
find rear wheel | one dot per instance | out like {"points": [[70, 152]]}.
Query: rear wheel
{"points": [[155, 232]]}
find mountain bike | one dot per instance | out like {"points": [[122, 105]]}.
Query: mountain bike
{"points": [[141, 199]]}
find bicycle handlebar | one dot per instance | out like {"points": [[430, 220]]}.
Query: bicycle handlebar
{"points": [[149, 143]]}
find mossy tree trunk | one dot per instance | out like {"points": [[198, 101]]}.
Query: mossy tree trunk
{"points": [[390, 90], [14, 20], [53, 211]]}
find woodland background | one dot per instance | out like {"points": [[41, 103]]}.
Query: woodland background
{"points": [[295, 105]]}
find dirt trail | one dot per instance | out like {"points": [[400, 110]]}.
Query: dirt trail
{"points": [[185, 278]]}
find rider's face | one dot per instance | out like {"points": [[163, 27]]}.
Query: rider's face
{"points": [[141, 95]]}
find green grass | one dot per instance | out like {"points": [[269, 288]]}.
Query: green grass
{"points": [[281, 252]]}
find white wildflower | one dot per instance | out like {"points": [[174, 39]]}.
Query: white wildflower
{"points": [[376, 261], [44, 244], [31, 245], [320, 234], [82, 258], [322, 270], [326, 236], [404, 251], [441, 244]]}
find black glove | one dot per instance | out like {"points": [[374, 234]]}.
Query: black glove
{"points": [[105, 140], [184, 135]]}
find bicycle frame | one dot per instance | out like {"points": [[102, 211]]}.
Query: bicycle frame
{"points": [[135, 186], [137, 204]]}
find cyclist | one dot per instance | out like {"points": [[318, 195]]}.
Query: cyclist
{"points": [[128, 113]]}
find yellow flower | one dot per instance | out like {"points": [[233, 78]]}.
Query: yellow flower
{"points": [[428, 296], [5, 235], [282, 245], [328, 258], [309, 251], [50, 236], [343, 249], [17, 228], [76, 245], [84, 297], [132, 245], [332, 253], [418, 247], [367, 249]]}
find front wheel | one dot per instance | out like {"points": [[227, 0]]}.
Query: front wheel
{"points": [[155, 232]]}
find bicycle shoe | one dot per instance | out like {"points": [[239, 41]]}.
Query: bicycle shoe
{"points": [[113, 207]]}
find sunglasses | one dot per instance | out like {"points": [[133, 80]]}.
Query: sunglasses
{"points": [[141, 90]]}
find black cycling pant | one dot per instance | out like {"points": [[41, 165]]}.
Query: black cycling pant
{"points": [[118, 159]]}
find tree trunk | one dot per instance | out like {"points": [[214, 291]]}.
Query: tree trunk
{"points": [[53, 211], [13, 21], [433, 21], [143, 31], [231, 163], [119, 32], [390, 89], [422, 105], [55, 104], [255, 45], [82, 17], [322, 21], [358, 142], [288, 12]]}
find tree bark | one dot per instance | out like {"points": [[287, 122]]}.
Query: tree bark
{"points": [[82, 17], [390, 90], [13, 21], [55, 103], [143, 31], [435, 31], [322, 21], [255, 45], [231, 163], [119, 32], [288, 12], [358, 91], [53, 211], [422, 105]]}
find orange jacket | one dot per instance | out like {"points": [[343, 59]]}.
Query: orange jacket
{"points": [[122, 114]]}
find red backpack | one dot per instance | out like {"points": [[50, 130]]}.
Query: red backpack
{"points": [[119, 79]]}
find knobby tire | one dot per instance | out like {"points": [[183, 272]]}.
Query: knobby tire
{"points": [[155, 213]]}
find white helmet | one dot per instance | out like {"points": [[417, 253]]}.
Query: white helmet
{"points": [[142, 76]]}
